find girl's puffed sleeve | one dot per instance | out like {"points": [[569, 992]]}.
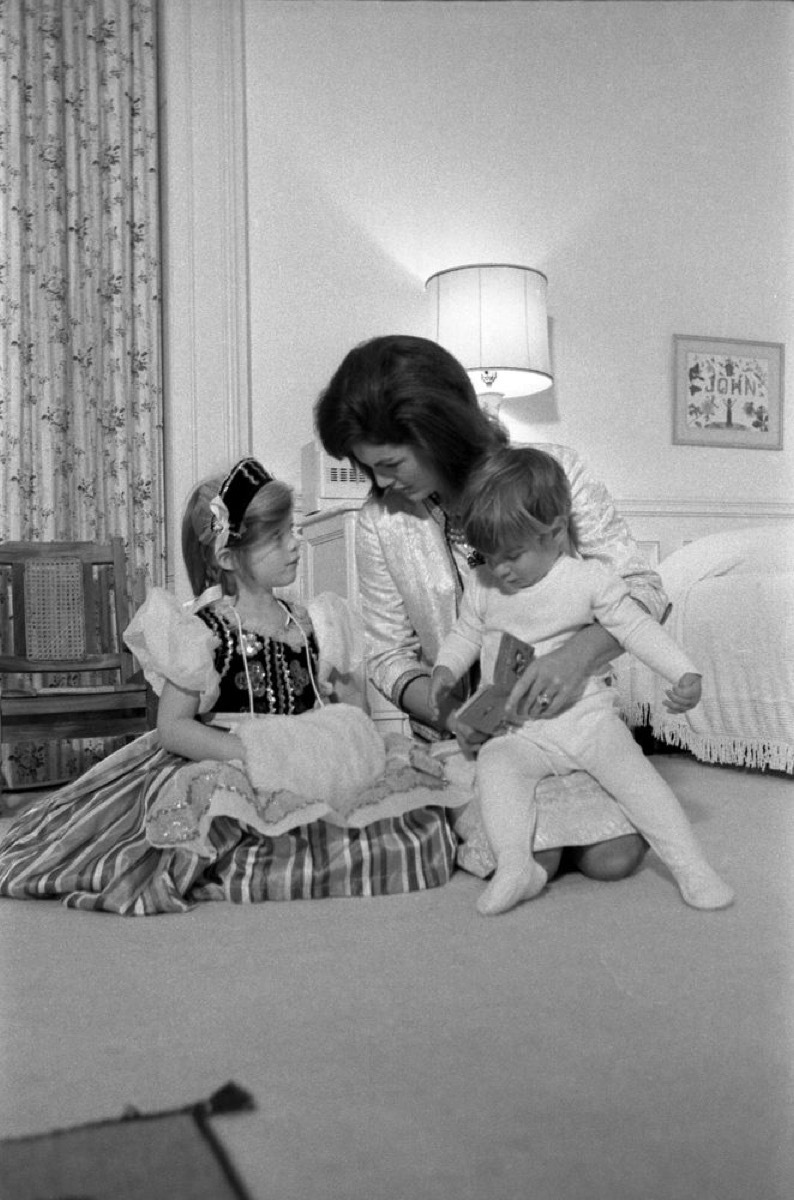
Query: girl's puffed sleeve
{"points": [[173, 644]]}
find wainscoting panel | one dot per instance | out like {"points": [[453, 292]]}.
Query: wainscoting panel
{"points": [[662, 526]]}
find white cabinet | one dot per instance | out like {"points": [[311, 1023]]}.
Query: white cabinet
{"points": [[328, 564], [328, 559]]}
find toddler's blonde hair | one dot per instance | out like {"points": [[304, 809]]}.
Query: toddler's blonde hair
{"points": [[516, 494]]}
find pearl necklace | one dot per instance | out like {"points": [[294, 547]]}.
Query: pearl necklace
{"points": [[453, 532]]}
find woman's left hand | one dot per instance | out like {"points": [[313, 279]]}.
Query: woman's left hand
{"points": [[553, 682], [549, 685]]}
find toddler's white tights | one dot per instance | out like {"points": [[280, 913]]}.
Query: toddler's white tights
{"points": [[508, 771]]}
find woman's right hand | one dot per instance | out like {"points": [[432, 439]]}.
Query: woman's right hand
{"points": [[442, 681], [437, 706]]}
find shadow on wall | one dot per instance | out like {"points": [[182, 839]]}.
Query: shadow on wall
{"points": [[320, 284], [523, 414]]}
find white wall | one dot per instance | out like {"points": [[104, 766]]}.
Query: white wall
{"points": [[640, 154]]}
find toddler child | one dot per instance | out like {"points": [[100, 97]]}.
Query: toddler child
{"points": [[517, 514]]}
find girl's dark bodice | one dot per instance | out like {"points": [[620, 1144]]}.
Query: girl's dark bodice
{"points": [[279, 673]]}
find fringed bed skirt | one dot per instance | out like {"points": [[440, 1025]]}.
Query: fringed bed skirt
{"points": [[756, 752]]}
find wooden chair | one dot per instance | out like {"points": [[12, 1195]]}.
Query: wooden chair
{"points": [[64, 669]]}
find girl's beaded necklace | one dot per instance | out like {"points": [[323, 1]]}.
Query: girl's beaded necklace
{"points": [[278, 682]]}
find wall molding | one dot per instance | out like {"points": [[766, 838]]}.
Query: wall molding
{"points": [[662, 526], [206, 309], [728, 509]]}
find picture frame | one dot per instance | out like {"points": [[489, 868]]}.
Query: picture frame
{"points": [[728, 393]]}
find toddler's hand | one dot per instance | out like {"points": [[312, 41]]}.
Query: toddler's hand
{"points": [[442, 682], [683, 695]]}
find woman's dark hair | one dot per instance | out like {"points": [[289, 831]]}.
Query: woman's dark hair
{"points": [[401, 390]]}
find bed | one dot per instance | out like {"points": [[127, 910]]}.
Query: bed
{"points": [[733, 611]]}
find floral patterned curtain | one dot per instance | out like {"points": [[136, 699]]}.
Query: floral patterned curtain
{"points": [[81, 424], [81, 427]]}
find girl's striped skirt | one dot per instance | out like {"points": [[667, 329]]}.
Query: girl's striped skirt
{"points": [[86, 845]]}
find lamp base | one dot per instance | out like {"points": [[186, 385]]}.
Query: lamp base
{"points": [[491, 402]]}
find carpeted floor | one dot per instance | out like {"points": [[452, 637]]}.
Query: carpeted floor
{"points": [[603, 1042]]}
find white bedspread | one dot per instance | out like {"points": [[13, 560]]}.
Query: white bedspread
{"points": [[733, 612]]}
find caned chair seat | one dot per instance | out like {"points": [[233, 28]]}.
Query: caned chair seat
{"points": [[64, 669]]}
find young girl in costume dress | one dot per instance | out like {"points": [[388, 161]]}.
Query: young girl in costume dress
{"points": [[187, 813]]}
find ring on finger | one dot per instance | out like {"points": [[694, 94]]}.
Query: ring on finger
{"points": [[544, 700]]}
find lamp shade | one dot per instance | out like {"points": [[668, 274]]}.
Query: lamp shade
{"points": [[492, 317]]}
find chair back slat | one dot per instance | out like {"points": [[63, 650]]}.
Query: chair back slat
{"points": [[104, 607], [122, 608], [90, 617], [55, 609], [18, 606]]}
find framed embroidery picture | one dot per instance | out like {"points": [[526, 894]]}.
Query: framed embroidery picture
{"points": [[728, 393]]}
